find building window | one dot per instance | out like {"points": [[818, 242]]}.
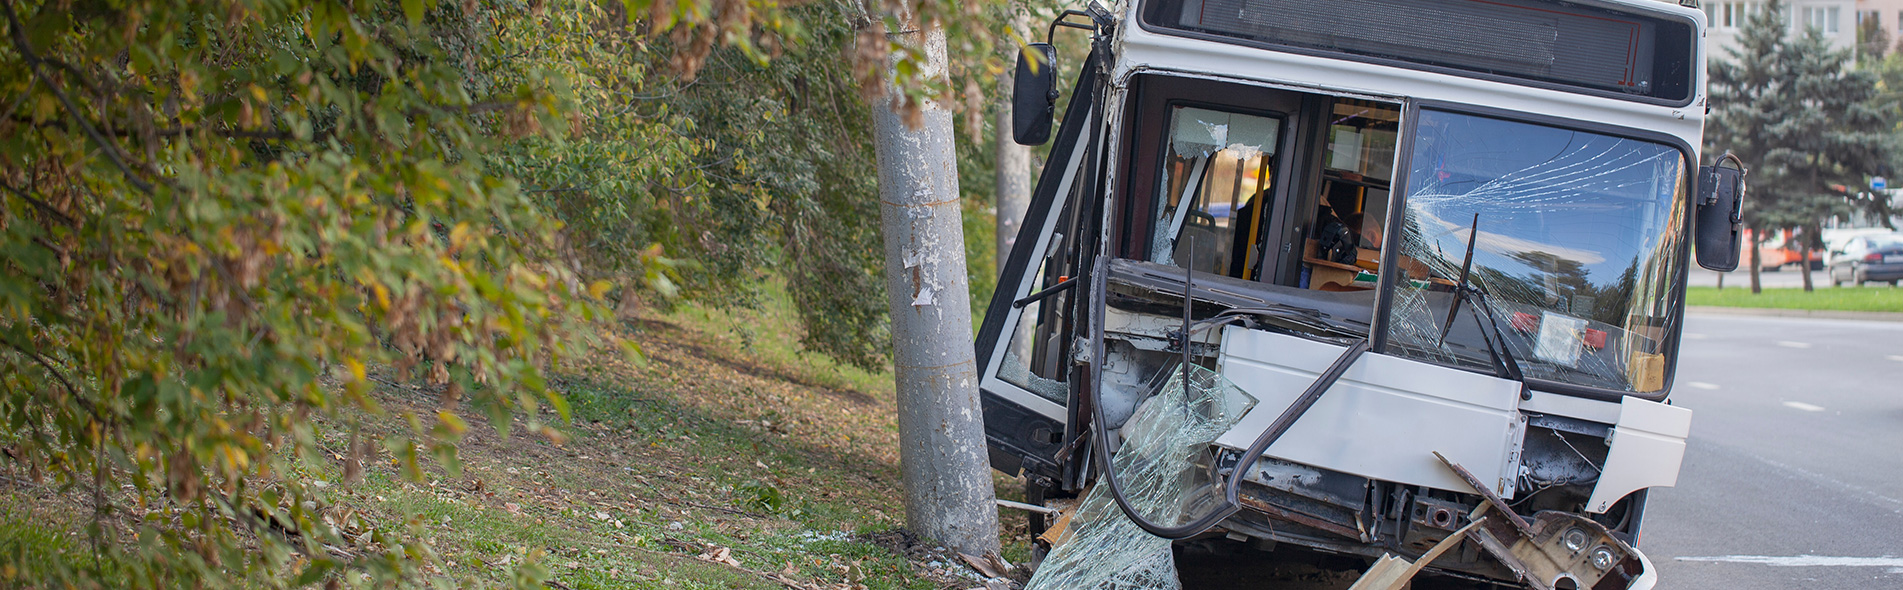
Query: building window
{"points": [[1822, 18], [1726, 15], [1730, 15]]}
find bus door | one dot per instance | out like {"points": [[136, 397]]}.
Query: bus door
{"points": [[1023, 347]]}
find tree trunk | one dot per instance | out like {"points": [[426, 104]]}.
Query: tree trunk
{"points": [[1756, 255], [1803, 261], [1803, 240], [946, 471]]}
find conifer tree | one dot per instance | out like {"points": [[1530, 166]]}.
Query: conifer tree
{"points": [[1828, 135], [1744, 91]]}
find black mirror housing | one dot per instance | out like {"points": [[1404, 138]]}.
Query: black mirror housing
{"points": [[1034, 94], [1718, 230]]}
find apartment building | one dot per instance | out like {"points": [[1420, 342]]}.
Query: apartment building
{"points": [[1887, 13], [1837, 19]]}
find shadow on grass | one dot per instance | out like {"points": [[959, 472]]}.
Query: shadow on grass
{"points": [[748, 367]]}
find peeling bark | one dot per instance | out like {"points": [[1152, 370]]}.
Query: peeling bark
{"points": [[945, 468]]}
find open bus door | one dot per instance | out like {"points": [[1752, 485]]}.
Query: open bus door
{"points": [[1023, 348]]}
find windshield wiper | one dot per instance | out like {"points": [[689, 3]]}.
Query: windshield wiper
{"points": [[1504, 365]]}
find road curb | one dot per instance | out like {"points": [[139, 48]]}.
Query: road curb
{"points": [[1831, 314]]}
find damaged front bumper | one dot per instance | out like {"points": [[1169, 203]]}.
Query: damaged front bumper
{"points": [[1399, 455], [1357, 474]]}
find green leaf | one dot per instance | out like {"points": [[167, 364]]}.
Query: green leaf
{"points": [[314, 572]]}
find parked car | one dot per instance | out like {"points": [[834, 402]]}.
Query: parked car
{"points": [[1869, 258], [1836, 239]]}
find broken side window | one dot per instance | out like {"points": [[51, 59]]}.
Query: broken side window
{"points": [[1576, 241], [1217, 169], [1034, 360]]}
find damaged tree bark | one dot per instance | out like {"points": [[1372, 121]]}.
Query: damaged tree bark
{"points": [[947, 474]]}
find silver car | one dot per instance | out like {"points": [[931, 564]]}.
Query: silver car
{"points": [[1868, 258]]}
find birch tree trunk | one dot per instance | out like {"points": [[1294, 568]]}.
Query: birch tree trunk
{"points": [[946, 471]]}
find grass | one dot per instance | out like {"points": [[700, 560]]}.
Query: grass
{"points": [[1869, 298], [726, 437]]}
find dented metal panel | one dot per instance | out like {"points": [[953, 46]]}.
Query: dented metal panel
{"points": [[1648, 444], [1382, 407]]}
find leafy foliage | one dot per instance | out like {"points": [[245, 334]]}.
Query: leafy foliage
{"points": [[791, 185], [220, 220], [776, 171], [218, 217]]}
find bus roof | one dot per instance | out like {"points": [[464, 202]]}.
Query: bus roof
{"points": [[1147, 47]]}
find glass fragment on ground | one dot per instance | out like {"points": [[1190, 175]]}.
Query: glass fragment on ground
{"points": [[1165, 466]]}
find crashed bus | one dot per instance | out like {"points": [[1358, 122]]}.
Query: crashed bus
{"points": [[1392, 280]]}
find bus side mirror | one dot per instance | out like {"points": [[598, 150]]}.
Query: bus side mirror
{"points": [[1034, 94], [1718, 233]]}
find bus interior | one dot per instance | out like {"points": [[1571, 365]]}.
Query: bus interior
{"points": [[1214, 182]]}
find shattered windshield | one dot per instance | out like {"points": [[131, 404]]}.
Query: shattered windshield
{"points": [[1575, 239]]}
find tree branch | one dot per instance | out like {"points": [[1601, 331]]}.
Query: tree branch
{"points": [[33, 61], [61, 377], [43, 206], [474, 109], [170, 131]]}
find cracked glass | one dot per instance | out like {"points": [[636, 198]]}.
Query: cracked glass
{"points": [[1217, 168], [1033, 360], [1167, 466], [1577, 240]]}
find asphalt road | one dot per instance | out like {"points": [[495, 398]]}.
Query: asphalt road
{"points": [[1793, 476]]}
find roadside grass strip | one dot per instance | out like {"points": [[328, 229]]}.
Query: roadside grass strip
{"points": [[1872, 298]]}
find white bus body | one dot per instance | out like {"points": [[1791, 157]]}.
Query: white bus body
{"points": [[1510, 244]]}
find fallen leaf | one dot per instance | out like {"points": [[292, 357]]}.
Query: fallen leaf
{"points": [[984, 566], [512, 507], [718, 554]]}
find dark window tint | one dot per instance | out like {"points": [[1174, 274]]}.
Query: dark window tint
{"points": [[1545, 41]]}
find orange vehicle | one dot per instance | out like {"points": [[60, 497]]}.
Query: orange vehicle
{"points": [[1780, 249]]}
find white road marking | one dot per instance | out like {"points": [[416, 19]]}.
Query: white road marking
{"points": [[1790, 344], [1895, 357], [1804, 406], [1702, 384], [1804, 560]]}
